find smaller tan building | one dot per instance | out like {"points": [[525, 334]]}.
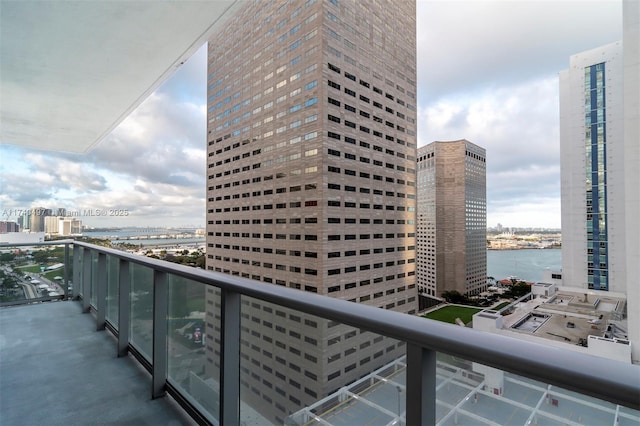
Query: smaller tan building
{"points": [[451, 221]]}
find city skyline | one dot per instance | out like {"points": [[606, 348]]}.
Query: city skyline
{"points": [[461, 94]]}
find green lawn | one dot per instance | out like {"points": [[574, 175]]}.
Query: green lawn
{"points": [[450, 313], [31, 268], [52, 274], [500, 306]]}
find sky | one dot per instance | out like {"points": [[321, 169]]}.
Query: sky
{"points": [[487, 72]]}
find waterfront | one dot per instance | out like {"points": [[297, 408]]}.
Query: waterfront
{"points": [[525, 264], [149, 236]]}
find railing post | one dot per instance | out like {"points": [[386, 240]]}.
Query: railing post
{"points": [[230, 359], [159, 367], [65, 275], [101, 292], [124, 308], [86, 280], [421, 386], [76, 272]]}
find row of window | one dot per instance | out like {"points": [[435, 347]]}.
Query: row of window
{"points": [[310, 186], [367, 115], [334, 271], [308, 136], [308, 203], [309, 254], [367, 145], [307, 220], [365, 67], [311, 203], [257, 82], [298, 286], [313, 237], [375, 89]]}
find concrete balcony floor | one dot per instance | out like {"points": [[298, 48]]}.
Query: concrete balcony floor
{"points": [[55, 369]]}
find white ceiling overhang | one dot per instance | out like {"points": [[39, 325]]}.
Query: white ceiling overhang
{"points": [[71, 71]]}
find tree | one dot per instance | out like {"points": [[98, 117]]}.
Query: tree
{"points": [[520, 289], [454, 296], [7, 257], [40, 256]]}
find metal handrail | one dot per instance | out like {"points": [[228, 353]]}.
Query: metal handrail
{"points": [[605, 379]]}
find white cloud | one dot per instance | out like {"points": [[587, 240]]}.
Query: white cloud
{"points": [[469, 44], [518, 126], [486, 72]]}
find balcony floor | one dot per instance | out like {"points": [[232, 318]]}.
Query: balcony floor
{"points": [[55, 369]]}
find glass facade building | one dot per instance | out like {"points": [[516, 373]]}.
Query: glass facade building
{"points": [[592, 171], [596, 176]]}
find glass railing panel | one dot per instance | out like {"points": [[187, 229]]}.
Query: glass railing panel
{"points": [[141, 317], [93, 299], [68, 286], [51, 274], [193, 352], [79, 276], [31, 273], [15, 282], [472, 393], [113, 271], [297, 367]]}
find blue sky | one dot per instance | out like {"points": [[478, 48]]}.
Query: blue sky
{"points": [[487, 72]]}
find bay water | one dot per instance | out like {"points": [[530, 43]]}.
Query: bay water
{"points": [[526, 264]]}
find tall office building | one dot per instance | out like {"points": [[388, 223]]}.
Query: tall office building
{"points": [[311, 181], [592, 158], [37, 218], [599, 134], [6, 226], [451, 219]]}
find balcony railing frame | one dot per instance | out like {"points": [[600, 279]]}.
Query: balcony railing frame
{"points": [[608, 380]]}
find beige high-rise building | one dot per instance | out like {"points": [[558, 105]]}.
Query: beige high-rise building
{"points": [[311, 182], [452, 218]]}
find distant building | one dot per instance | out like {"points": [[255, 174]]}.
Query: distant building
{"points": [[51, 224], [37, 221], [8, 227], [451, 218], [62, 226], [24, 221]]}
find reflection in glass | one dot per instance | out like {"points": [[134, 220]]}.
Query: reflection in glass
{"points": [[112, 290], [141, 332], [193, 359]]}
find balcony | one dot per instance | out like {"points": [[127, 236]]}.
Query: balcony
{"points": [[150, 342]]}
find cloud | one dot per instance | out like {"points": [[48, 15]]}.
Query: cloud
{"points": [[470, 44], [152, 165], [487, 72], [159, 141], [518, 126], [60, 173]]}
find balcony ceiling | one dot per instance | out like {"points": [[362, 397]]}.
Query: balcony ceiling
{"points": [[71, 71]]}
